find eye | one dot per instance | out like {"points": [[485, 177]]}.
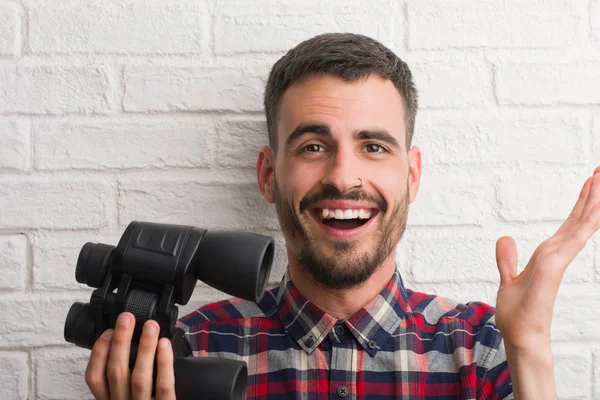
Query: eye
{"points": [[312, 148], [375, 148]]}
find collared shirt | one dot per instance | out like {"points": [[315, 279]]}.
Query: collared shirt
{"points": [[402, 345]]}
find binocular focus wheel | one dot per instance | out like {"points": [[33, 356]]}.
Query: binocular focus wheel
{"points": [[141, 304]]}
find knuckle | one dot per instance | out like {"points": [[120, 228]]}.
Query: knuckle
{"points": [[138, 381], [93, 380], [147, 344], [121, 340], [116, 373], [164, 386]]}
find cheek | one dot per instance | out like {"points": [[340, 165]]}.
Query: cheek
{"points": [[392, 187], [302, 180]]}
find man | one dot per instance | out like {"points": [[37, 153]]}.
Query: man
{"points": [[341, 171]]}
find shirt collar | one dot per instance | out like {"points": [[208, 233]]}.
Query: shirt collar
{"points": [[372, 325]]}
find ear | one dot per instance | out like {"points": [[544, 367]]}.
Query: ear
{"points": [[414, 171], [265, 168]]}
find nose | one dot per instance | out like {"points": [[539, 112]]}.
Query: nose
{"points": [[343, 173]]}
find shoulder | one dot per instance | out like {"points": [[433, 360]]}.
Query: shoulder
{"points": [[465, 333], [470, 324], [232, 311], [434, 309]]}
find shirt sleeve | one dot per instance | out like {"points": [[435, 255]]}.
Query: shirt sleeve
{"points": [[496, 383]]}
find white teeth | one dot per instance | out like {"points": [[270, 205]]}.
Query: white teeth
{"points": [[346, 214]]}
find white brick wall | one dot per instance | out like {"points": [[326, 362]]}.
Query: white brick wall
{"points": [[114, 110]]}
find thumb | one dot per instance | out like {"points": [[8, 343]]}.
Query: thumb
{"points": [[506, 258]]}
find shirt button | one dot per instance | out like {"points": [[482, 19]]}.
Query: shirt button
{"points": [[309, 341], [340, 330], [342, 391], [372, 345]]}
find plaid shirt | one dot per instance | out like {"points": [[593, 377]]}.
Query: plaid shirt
{"points": [[403, 345]]}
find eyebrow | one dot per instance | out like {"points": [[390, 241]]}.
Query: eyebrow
{"points": [[324, 130]]}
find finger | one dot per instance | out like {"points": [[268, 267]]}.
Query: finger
{"points": [[165, 376], [506, 259], [141, 376], [95, 373], [118, 359], [577, 241], [573, 220], [593, 197]]}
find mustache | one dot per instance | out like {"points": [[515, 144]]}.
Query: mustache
{"points": [[332, 193]]}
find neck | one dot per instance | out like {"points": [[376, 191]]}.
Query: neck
{"points": [[342, 303]]}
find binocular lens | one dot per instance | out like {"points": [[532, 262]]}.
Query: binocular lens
{"points": [[92, 264], [80, 327]]}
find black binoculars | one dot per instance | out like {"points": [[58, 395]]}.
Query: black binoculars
{"points": [[155, 266]]}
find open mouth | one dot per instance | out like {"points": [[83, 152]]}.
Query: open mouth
{"points": [[343, 220]]}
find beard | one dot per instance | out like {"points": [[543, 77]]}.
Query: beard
{"points": [[344, 267]]}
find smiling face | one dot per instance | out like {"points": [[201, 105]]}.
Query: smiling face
{"points": [[342, 178]]}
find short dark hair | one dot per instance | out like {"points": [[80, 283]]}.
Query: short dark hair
{"points": [[348, 56]]}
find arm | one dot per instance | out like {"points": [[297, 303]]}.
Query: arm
{"points": [[525, 301], [532, 374]]}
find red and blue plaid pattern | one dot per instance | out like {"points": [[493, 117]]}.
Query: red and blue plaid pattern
{"points": [[402, 345]]}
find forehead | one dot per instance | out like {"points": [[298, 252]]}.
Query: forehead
{"points": [[369, 103]]}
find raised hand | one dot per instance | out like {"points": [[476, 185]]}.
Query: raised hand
{"points": [[108, 375], [525, 301]]}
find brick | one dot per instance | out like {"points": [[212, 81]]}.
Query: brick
{"points": [[206, 205], [35, 319], [53, 89], [596, 138], [251, 26], [13, 259], [435, 24], [524, 195], [596, 367], [452, 83], [575, 317], [454, 196], [489, 138], [60, 368], [462, 292], [124, 27], [15, 152], [14, 374], [595, 19], [10, 31], [55, 256], [573, 370], [548, 84], [238, 142], [192, 89], [469, 257], [596, 244], [56, 204], [123, 144], [457, 258], [581, 268]]}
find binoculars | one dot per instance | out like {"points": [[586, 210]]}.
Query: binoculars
{"points": [[153, 268]]}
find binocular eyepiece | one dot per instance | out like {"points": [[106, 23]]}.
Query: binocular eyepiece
{"points": [[155, 266]]}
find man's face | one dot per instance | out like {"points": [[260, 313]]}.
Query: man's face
{"points": [[341, 176]]}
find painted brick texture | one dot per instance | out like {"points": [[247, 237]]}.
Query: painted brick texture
{"points": [[121, 110]]}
